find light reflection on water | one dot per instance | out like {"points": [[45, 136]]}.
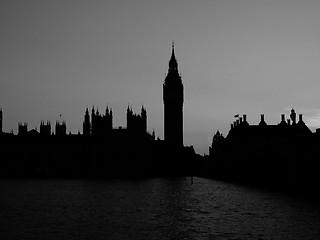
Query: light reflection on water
{"points": [[151, 209]]}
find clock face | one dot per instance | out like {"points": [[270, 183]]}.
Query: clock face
{"points": [[172, 93]]}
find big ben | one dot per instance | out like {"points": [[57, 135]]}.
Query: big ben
{"points": [[173, 104]]}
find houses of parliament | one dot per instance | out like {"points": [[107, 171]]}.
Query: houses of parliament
{"points": [[101, 149], [101, 124], [285, 153]]}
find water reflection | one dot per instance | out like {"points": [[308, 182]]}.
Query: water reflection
{"points": [[151, 209]]}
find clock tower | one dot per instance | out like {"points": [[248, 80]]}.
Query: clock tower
{"points": [[173, 104]]}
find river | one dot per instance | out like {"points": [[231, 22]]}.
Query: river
{"points": [[159, 208]]}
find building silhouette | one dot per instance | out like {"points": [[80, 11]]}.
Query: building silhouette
{"points": [[135, 122], [102, 150], [173, 104], [86, 124], [45, 128], [100, 124], [280, 155], [61, 128], [245, 134], [22, 129]]}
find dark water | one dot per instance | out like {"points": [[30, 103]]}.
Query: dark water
{"points": [[151, 209]]}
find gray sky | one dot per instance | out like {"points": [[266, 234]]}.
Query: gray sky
{"points": [[240, 56]]}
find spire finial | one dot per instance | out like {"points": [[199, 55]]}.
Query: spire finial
{"points": [[173, 65], [172, 47]]}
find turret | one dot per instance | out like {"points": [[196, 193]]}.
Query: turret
{"points": [[86, 123], [144, 118], [108, 120], [86, 116], [111, 117], [137, 123], [93, 121], [45, 128], [61, 128], [92, 112], [22, 129]]}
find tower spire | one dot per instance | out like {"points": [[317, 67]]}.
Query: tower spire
{"points": [[172, 48], [173, 64]]}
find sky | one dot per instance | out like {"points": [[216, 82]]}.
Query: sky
{"points": [[235, 57]]}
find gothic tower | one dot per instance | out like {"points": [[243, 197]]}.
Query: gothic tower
{"points": [[86, 123], [135, 122], [144, 119], [173, 104]]}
